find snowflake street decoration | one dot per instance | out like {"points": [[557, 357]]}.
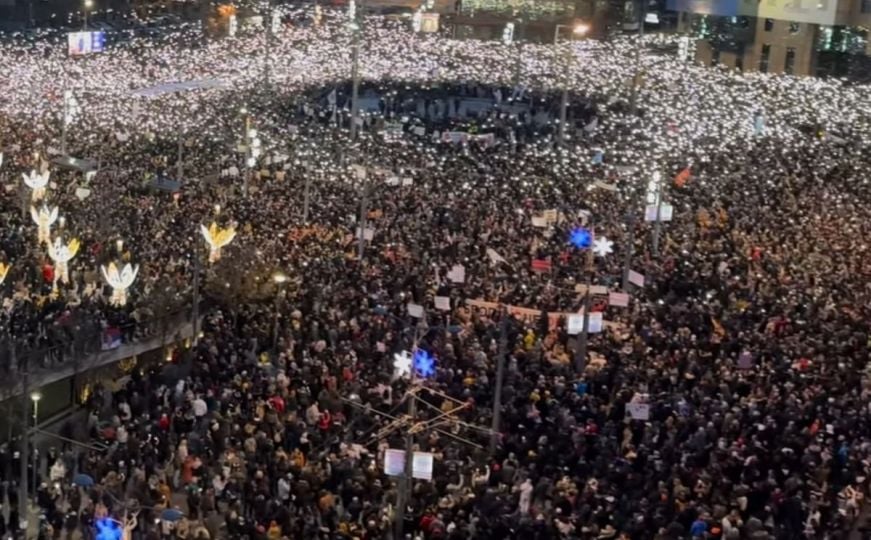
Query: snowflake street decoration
{"points": [[602, 246], [424, 363], [62, 254], [44, 219], [119, 281], [217, 238], [401, 364], [581, 238], [107, 529], [37, 182]]}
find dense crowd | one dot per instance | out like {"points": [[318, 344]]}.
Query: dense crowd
{"points": [[748, 339]]}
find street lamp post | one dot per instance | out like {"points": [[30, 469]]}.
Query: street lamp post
{"points": [[578, 30], [357, 28], [35, 397], [88, 4], [279, 279]]}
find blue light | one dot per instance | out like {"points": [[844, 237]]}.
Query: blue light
{"points": [[423, 363], [581, 238], [108, 529]]}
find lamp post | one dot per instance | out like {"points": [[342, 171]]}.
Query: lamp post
{"points": [[88, 4], [579, 30], [356, 28], [35, 397], [279, 279]]}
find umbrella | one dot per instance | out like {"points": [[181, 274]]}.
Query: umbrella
{"points": [[83, 480], [171, 514]]}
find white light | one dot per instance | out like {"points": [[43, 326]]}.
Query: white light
{"points": [[402, 364], [36, 396], [602, 246]]}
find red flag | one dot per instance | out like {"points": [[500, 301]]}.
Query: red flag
{"points": [[541, 265], [682, 177]]}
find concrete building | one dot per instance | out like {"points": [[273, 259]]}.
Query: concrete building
{"points": [[800, 37]]}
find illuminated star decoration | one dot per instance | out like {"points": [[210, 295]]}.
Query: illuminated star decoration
{"points": [[581, 238], [424, 364], [107, 529], [402, 364], [602, 246]]}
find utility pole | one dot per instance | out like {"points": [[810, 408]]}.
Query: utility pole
{"points": [[270, 30], [657, 225], [500, 374], [633, 104], [307, 197], [635, 192], [180, 161], [23, 503], [581, 357], [633, 99], [364, 210], [357, 28], [195, 310], [406, 480]]}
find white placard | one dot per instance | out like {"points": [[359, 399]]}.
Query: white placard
{"points": [[618, 299], [638, 411], [368, 233], [415, 310], [392, 180], [359, 171], [600, 290], [83, 193], [407, 181], [745, 360], [575, 324], [666, 211], [421, 464], [594, 322], [636, 279], [443, 303], [539, 221], [394, 462], [419, 131], [457, 274]]}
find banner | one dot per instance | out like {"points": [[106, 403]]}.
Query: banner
{"points": [[532, 316]]}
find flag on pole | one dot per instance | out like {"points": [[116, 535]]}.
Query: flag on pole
{"points": [[682, 177]]}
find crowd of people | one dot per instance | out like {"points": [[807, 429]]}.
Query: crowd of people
{"points": [[728, 398]]}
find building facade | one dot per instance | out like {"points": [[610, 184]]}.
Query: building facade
{"points": [[799, 37]]}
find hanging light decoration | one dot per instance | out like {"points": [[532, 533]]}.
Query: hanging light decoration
{"points": [[119, 281], [44, 219], [217, 238], [4, 270], [37, 182], [62, 254]]}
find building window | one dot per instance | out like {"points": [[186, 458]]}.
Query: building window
{"points": [[795, 28], [789, 65], [823, 5], [866, 6], [763, 58], [769, 25]]}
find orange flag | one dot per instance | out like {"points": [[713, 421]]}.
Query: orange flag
{"points": [[682, 177]]}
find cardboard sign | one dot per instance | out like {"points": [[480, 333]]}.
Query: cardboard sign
{"points": [[421, 464], [636, 279], [638, 411], [415, 310], [442, 303], [457, 274], [617, 299], [666, 212], [575, 324]]}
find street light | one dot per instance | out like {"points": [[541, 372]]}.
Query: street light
{"points": [[280, 279], [579, 30], [35, 397], [87, 5]]}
